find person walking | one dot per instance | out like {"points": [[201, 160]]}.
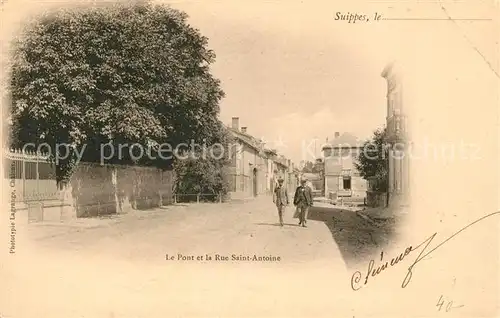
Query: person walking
{"points": [[280, 198], [303, 200]]}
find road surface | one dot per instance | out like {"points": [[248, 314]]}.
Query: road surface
{"points": [[118, 268]]}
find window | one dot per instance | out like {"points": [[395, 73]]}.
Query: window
{"points": [[347, 183]]}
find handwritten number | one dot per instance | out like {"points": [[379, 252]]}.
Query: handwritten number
{"points": [[449, 305], [440, 303]]}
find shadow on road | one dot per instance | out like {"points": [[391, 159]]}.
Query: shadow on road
{"points": [[277, 224], [357, 239]]}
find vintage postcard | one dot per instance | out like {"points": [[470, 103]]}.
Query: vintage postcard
{"points": [[225, 158]]}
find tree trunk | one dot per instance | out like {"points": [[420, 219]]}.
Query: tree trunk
{"points": [[114, 181]]}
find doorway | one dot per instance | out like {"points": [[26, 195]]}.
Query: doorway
{"points": [[255, 182], [347, 183]]}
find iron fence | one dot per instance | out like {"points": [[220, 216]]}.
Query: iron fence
{"points": [[32, 175]]}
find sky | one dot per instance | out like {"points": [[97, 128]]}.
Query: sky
{"points": [[292, 74]]}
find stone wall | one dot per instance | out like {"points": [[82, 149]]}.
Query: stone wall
{"points": [[108, 189]]}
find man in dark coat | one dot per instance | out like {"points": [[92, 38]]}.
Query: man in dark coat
{"points": [[280, 198], [303, 200]]}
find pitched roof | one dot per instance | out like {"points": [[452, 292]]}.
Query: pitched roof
{"points": [[281, 160], [246, 138], [259, 146], [270, 152], [346, 140]]}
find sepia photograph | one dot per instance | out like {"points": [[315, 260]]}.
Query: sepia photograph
{"points": [[249, 159]]}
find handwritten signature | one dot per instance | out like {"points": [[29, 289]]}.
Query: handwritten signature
{"points": [[357, 276]]}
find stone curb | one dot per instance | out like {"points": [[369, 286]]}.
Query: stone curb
{"points": [[369, 219], [68, 225], [102, 222], [373, 221]]}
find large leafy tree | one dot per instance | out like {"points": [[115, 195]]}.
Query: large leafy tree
{"points": [[204, 172], [372, 162], [121, 74]]}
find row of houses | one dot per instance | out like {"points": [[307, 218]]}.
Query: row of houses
{"points": [[257, 168], [96, 189], [254, 168]]}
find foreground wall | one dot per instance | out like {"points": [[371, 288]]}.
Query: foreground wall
{"points": [[106, 189]]}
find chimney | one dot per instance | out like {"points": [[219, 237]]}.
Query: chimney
{"points": [[235, 123], [337, 134], [244, 130]]}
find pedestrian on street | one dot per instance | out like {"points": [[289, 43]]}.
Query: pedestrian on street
{"points": [[303, 200], [280, 198]]}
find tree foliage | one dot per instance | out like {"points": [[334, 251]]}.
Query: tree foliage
{"points": [[372, 162], [206, 173], [312, 167], [122, 74], [307, 167]]}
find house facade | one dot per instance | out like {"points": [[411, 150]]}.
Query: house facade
{"points": [[248, 169], [341, 178], [397, 137], [270, 167], [254, 169]]}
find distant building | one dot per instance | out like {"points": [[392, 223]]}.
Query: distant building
{"points": [[270, 167], [283, 168], [294, 176], [341, 178], [314, 181], [397, 137]]}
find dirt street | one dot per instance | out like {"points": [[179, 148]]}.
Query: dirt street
{"points": [[118, 267]]}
